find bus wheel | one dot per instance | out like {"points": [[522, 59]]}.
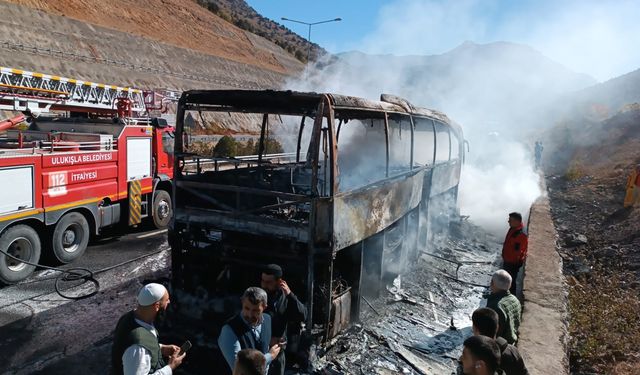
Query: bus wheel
{"points": [[22, 242], [162, 209], [70, 237]]}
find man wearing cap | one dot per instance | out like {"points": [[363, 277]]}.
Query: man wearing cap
{"points": [[136, 349], [249, 329], [284, 308]]}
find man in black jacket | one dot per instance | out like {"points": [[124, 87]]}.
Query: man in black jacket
{"points": [[284, 308], [485, 323]]}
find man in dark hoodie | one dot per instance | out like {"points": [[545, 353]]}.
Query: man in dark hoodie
{"points": [[284, 308]]}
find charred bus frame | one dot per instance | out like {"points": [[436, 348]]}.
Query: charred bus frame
{"points": [[336, 241]]}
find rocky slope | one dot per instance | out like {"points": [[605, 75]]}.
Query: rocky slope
{"points": [[244, 16], [183, 24], [128, 43], [588, 161]]}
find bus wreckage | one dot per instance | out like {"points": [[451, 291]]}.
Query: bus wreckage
{"points": [[342, 192]]}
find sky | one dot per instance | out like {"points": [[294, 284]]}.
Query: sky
{"points": [[596, 37]]}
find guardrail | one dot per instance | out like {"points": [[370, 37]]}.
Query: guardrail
{"points": [[200, 163]]}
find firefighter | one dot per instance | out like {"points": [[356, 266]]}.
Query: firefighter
{"points": [[135, 347], [514, 249], [285, 309], [632, 197]]}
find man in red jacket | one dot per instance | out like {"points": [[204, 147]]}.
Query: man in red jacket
{"points": [[514, 249]]}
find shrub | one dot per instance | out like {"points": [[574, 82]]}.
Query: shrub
{"points": [[247, 149], [227, 147], [575, 171], [272, 146], [201, 148]]}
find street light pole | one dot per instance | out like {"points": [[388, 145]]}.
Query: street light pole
{"points": [[310, 24], [309, 44]]}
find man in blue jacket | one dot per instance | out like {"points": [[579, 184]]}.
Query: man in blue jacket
{"points": [[249, 329]]}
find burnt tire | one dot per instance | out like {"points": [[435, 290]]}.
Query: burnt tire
{"points": [[70, 237], [23, 242], [162, 209]]}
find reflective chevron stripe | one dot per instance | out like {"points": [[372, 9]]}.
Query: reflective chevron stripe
{"points": [[135, 202]]}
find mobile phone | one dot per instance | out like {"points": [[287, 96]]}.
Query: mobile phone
{"points": [[283, 342], [186, 346]]}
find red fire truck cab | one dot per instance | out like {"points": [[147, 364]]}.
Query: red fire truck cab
{"points": [[64, 179]]}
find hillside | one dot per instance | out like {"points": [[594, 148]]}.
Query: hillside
{"points": [[244, 16], [605, 99], [179, 23], [587, 163]]}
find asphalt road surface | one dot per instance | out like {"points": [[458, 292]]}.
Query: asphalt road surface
{"points": [[38, 327]]}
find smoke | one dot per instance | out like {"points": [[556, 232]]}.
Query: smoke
{"points": [[589, 36], [493, 91], [497, 180], [500, 92]]}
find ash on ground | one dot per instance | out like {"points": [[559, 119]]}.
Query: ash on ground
{"points": [[418, 325]]}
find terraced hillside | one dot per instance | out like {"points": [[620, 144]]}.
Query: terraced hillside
{"points": [[157, 43]]}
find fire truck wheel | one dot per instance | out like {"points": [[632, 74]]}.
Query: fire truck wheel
{"points": [[22, 242], [162, 209], [70, 237]]}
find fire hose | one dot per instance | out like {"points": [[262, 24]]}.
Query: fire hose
{"points": [[78, 273]]}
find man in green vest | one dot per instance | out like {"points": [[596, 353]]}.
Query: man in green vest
{"points": [[136, 349]]}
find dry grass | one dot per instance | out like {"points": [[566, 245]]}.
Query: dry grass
{"points": [[604, 325], [575, 171]]}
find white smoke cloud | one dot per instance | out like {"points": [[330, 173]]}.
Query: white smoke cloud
{"points": [[595, 37], [498, 179]]}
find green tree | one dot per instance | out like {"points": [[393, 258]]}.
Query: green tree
{"points": [[227, 147], [301, 56], [213, 7], [272, 146], [248, 149]]}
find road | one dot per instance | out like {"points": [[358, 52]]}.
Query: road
{"points": [[38, 327]]}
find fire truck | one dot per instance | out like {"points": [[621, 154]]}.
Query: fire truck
{"points": [[102, 162]]}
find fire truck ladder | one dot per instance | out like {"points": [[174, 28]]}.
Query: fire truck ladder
{"points": [[37, 93]]}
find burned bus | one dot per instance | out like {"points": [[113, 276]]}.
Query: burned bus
{"points": [[342, 192]]}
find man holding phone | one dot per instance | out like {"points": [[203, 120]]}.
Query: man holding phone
{"points": [[284, 308], [136, 349]]}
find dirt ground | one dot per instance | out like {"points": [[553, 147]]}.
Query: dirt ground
{"points": [[587, 162], [600, 247]]}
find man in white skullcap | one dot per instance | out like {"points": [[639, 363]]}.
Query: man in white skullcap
{"points": [[136, 350]]}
